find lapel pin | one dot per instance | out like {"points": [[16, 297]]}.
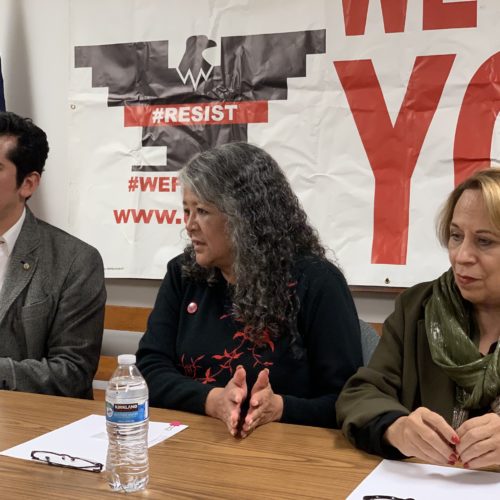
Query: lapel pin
{"points": [[26, 266], [192, 307]]}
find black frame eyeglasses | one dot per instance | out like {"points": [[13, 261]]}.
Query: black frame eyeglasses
{"points": [[64, 460], [385, 497]]}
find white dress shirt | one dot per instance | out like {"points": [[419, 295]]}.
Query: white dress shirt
{"points": [[7, 243]]}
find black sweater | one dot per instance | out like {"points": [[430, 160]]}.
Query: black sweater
{"points": [[192, 344]]}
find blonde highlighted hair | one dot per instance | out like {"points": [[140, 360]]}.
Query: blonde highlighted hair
{"points": [[485, 181]]}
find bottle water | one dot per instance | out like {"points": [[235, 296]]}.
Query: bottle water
{"points": [[127, 421]]}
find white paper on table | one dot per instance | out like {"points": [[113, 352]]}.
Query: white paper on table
{"points": [[428, 482], [86, 438]]}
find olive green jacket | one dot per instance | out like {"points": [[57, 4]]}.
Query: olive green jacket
{"points": [[401, 375]]}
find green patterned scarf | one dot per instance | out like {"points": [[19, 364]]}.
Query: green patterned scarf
{"points": [[451, 329]]}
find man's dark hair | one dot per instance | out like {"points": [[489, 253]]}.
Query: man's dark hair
{"points": [[31, 148]]}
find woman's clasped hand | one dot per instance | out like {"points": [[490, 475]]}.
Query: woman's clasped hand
{"points": [[227, 403], [479, 441], [426, 435]]}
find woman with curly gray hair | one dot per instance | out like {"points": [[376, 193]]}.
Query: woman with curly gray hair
{"points": [[252, 323]]}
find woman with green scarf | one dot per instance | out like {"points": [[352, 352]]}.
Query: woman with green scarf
{"points": [[432, 387]]}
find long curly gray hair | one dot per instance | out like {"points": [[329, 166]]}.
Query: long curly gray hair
{"points": [[268, 229]]}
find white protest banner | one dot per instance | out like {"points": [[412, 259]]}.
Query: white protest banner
{"points": [[375, 109]]}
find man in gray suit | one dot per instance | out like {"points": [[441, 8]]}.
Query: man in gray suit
{"points": [[52, 292]]}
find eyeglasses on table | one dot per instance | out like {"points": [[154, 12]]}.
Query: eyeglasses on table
{"points": [[385, 497], [64, 460]]}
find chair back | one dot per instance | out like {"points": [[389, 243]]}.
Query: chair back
{"points": [[369, 340]]}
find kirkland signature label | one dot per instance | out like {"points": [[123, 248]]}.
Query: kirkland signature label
{"points": [[126, 413]]}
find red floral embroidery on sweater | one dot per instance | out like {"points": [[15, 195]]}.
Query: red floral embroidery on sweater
{"points": [[228, 359]]}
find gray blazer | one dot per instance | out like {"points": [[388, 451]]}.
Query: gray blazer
{"points": [[51, 313]]}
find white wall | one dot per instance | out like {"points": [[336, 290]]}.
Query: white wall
{"points": [[36, 61]]}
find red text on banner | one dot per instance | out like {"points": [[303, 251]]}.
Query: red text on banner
{"points": [[393, 150], [141, 215], [356, 12], [476, 121], [436, 15], [163, 184], [439, 15], [211, 113]]}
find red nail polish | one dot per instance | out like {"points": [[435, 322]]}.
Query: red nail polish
{"points": [[466, 466], [451, 462], [455, 439], [452, 458]]}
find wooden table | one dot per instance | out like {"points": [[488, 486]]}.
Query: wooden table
{"points": [[277, 461]]}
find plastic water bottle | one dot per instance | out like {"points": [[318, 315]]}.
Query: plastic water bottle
{"points": [[127, 420]]}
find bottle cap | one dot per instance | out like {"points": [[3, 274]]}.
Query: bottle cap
{"points": [[126, 359]]}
